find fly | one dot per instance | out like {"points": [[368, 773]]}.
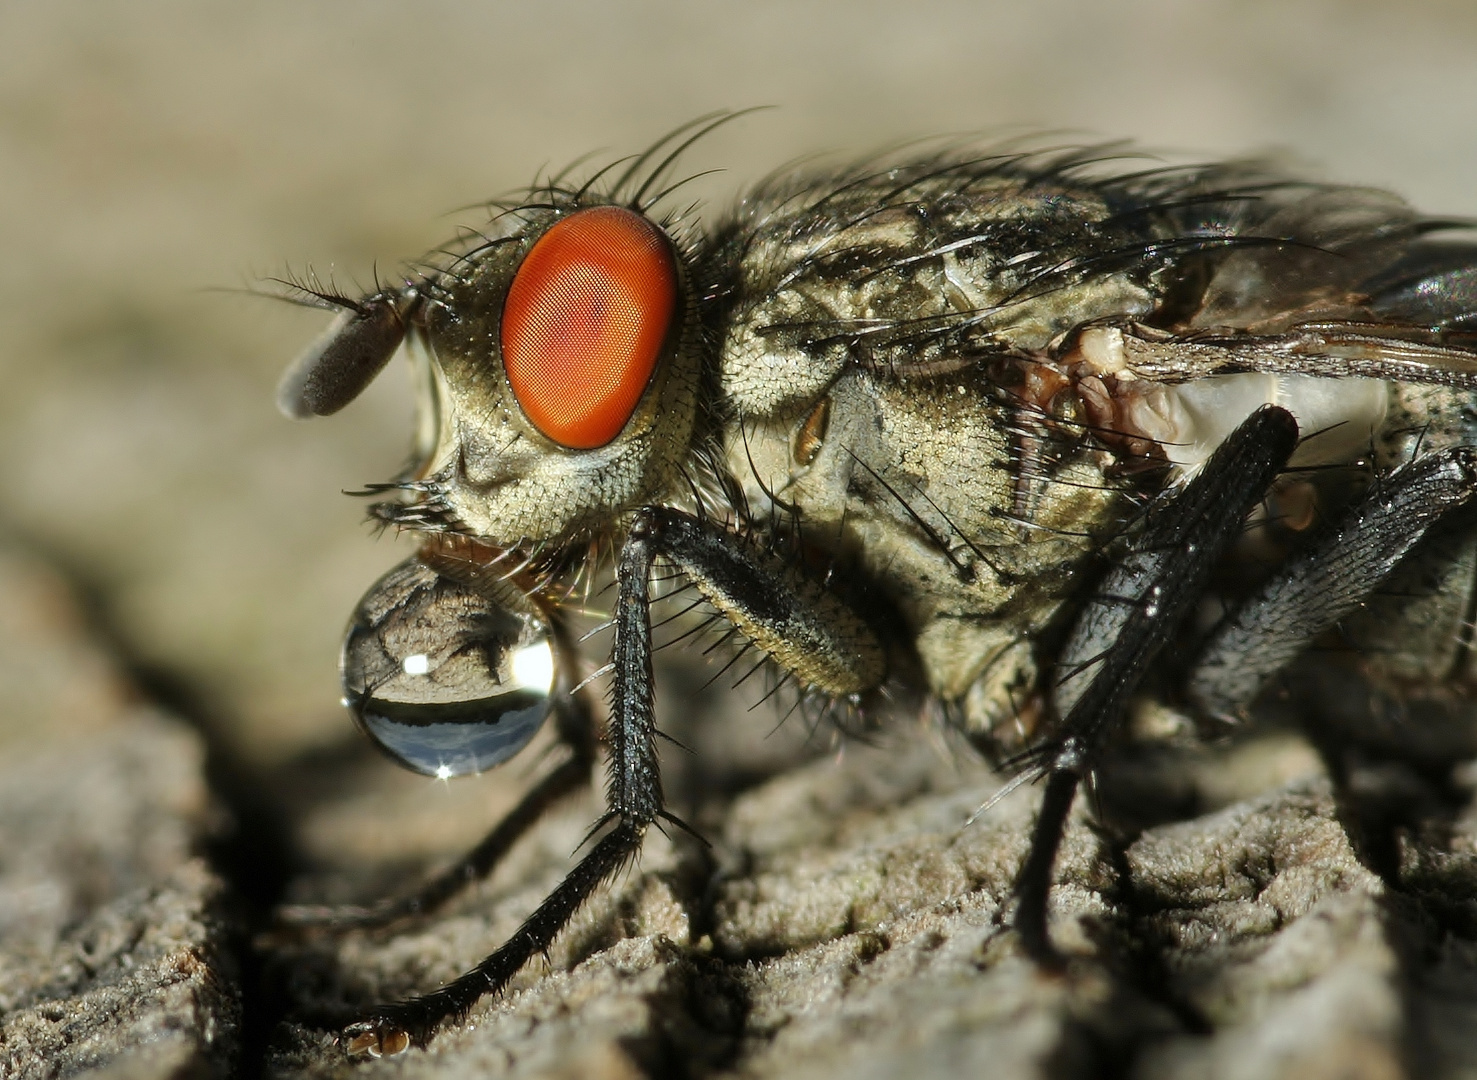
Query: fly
{"points": [[1024, 432]]}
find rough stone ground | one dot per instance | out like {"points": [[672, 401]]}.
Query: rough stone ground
{"points": [[845, 924], [117, 956], [842, 923]]}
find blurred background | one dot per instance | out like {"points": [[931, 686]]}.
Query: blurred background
{"points": [[156, 155]]}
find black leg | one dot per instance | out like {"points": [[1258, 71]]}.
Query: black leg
{"points": [[796, 621], [1033, 884], [576, 728], [387, 1027], [1141, 604], [807, 629], [633, 790], [1328, 581], [570, 776]]}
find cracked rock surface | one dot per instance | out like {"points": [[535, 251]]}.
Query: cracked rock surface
{"points": [[845, 923], [844, 920], [114, 953]]}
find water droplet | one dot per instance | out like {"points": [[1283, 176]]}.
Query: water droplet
{"points": [[446, 679]]}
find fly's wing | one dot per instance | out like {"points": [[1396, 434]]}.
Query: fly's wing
{"points": [[1399, 351], [919, 268], [1326, 281], [1434, 285], [1419, 325]]}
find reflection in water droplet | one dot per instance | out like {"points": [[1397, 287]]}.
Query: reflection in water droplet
{"points": [[533, 666], [445, 679]]}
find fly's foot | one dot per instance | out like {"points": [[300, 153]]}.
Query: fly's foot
{"points": [[387, 1030], [369, 1038]]}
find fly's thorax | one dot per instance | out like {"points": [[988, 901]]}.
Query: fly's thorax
{"points": [[912, 487], [498, 464], [856, 273], [871, 358]]}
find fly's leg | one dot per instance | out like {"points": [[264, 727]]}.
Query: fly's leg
{"points": [[1378, 790], [634, 794], [804, 627], [576, 730], [1140, 605], [569, 776], [1327, 582], [796, 621]]}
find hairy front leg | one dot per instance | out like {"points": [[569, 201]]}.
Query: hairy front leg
{"points": [[793, 619]]}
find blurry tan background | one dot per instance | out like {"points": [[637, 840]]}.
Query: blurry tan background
{"points": [[155, 150]]}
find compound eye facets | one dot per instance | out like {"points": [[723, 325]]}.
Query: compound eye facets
{"points": [[444, 678], [584, 322]]}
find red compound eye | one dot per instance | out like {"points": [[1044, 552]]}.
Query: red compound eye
{"points": [[584, 322]]}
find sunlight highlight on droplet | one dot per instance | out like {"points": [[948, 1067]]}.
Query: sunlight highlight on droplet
{"points": [[533, 666]]}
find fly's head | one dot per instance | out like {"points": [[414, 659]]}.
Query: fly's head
{"points": [[559, 366], [563, 374]]}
